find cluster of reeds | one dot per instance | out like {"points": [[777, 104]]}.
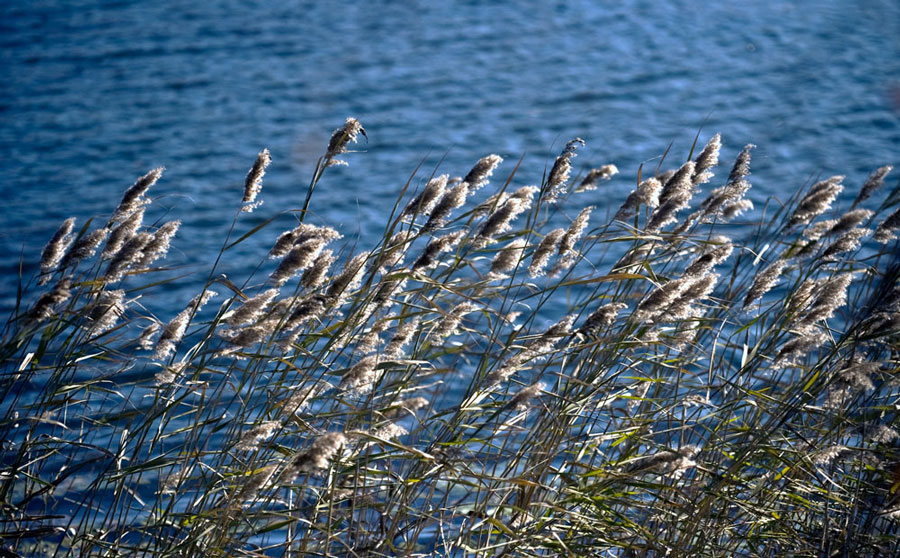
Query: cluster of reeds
{"points": [[502, 373]]}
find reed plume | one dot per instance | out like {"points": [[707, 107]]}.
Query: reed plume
{"points": [[253, 182]]}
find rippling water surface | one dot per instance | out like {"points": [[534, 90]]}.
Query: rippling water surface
{"points": [[94, 94]]}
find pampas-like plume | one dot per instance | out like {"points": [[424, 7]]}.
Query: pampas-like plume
{"points": [[428, 258], [158, 246], [658, 301], [602, 317], [707, 159], [507, 259], [425, 200], [483, 169], [574, 232], [315, 458], [251, 439], [314, 277], [252, 309], [341, 138], [850, 220], [594, 176], [524, 398], [699, 288], [361, 377], [741, 166], [393, 253], [302, 233], [675, 196], [535, 350], [817, 200], [449, 323], [557, 180], [145, 341], [122, 233], [500, 220], [396, 345], [566, 248], [53, 252], [735, 209], [646, 194], [175, 330], [84, 248], [106, 311], [710, 259], [452, 198], [873, 183], [45, 306], [370, 341], [308, 309], [847, 242], [885, 231], [406, 406], [253, 182], [666, 462], [134, 199], [298, 259], [129, 255], [349, 278], [764, 281], [545, 344], [302, 395], [543, 252], [829, 296]]}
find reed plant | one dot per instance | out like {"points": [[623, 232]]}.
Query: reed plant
{"points": [[502, 373]]}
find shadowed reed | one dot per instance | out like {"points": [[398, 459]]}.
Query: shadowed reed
{"points": [[501, 373]]}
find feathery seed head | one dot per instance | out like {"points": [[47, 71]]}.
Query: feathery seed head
{"points": [[404, 334], [602, 317], [253, 182], [873, 183], [428, 258], [646, 194], [483, 169], [741, 166], [134, 196], [44, 307], [122, 234], [316, 457], [886, 230], [558, 178], [158, 245], [350, 277], [507, 259], [341, 138], [298, 259], [707, 159], [449, 323], [817, 200], [252, 309], [106, 311], [53, 252], [426, 200], [594, 176], [764, 281], [361, 377], [543, 252], [315, 275], [452, 198], [85, 247]]}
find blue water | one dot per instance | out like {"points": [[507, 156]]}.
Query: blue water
{"points": [[94, 94]]}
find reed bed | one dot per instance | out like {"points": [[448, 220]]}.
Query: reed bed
{"points": [[501, 373]]}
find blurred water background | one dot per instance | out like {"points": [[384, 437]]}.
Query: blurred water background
{"points": [[95, 94]]}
